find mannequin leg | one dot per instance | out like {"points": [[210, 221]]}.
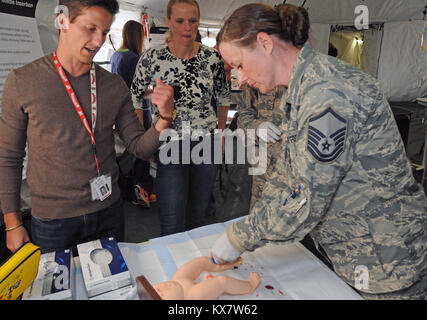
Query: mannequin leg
{"points": [[192, 269], [213, 288]]}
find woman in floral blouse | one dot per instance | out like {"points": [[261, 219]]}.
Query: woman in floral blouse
{"points": [[196, 72]]}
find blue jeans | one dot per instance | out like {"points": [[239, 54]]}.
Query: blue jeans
{"points": [[59, 234], [141, 168], [141, 175], [183, 192]]}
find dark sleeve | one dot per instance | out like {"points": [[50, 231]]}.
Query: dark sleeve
{"points": [[127, 68], [132, 67], [123, 71]]}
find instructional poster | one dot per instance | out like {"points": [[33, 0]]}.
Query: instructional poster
{"points": [[19, 37]]}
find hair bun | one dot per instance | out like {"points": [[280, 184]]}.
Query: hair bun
{"points": [[295, 24]]}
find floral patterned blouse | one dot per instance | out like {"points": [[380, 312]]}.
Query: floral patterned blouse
{"points": [[195, 82]]}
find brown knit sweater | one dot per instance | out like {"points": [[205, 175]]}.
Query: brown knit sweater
{"points": [[36, 108]]}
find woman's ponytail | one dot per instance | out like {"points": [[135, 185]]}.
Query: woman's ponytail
{"points": [[295, 24]]}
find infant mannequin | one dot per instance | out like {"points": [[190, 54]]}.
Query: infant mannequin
{"points": [[182, 286]]}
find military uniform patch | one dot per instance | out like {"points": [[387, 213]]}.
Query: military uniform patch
{"points": [[326, 135]]}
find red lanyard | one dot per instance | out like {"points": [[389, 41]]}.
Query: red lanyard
{"points": [[76, 103]]}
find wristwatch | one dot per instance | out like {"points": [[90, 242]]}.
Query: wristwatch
{"points": [[173, 117]]}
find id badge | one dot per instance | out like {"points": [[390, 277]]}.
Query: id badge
{"points": [[101, 187]]}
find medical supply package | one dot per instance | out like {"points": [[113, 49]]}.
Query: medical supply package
{"points": [[103, 266], [55, 277]]}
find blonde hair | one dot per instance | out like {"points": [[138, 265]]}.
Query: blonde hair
{"points": [[168, 36], [171, 3]]}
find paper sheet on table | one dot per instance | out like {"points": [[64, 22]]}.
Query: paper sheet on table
{"points": [[142, 260], [287, 272]]}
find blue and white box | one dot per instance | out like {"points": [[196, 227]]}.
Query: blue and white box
{"points": [[103, 266], [55, 277]]}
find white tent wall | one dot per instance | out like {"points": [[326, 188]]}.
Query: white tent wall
{"points": [[395, 57], [213, 12], [319, 37], [343, 11], [372, 40], [45, 17], [403, 64]]}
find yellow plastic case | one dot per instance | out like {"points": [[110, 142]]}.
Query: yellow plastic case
{"points": [[19, 271]]}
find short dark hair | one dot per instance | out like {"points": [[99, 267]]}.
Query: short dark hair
{"points": [[75, 6]]}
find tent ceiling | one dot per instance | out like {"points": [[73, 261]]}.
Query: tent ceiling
{"points": [[321, 11], [212, 11], [343, 11]]}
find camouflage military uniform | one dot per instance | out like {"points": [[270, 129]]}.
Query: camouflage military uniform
{"points": [[254, 109], [344, 178]]}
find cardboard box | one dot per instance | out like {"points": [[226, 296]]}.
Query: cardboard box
{"points": [[55, 277], [103, 266]]}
